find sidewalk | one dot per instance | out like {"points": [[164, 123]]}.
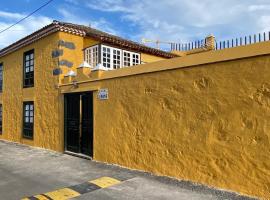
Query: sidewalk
{"points": [[27, 171]]}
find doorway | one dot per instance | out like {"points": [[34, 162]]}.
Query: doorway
{"points": [[79, 123]]}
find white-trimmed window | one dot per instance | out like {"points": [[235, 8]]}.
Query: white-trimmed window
{"points": [[28, 68], [136, 59], [106, 57], [127, 58], [91, 56], [111, 58], [117, 58], [1, 77]]}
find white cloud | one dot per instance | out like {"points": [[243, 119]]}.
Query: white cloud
{"points": [[72, 1], [185, 20], [11, 16], [100, 23], [259, 7], [166, 20], [23, 29]]}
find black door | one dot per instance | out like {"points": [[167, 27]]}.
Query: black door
{"points": [[79, 123], [87, 124]]}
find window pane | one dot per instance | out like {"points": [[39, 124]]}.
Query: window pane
{"points": [[127, 59], [91, 56], [28, 120], [116, 58], [28, 67], [106, 57], [1, 77]]}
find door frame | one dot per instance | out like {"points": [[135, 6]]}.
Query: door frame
{"points": [[65, 127]]}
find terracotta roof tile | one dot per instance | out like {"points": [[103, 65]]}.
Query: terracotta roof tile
{"points": [[83, 31]]}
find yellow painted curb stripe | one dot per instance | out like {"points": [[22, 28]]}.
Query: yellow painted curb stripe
{"points": [[105, 182], [40, 197], [62, 194], [77, 190], [37, 197]]}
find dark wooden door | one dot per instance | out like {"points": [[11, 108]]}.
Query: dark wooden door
{"points": [[72, 122], [87, 124], [79, 123]]}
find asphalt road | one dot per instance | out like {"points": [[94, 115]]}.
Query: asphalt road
{"points": [[27, 172]]}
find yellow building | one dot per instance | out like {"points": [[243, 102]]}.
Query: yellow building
{"points": [[201, 116], [33, 67]]}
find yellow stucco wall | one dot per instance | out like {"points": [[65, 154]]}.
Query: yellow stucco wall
{"points": [[44, 95], [147, 58], [208, 123], [203, 117]]}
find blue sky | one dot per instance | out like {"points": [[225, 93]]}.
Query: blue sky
{"points": [[167, 20]]}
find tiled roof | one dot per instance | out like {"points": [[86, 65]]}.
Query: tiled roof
{"points": [[83, 31]]}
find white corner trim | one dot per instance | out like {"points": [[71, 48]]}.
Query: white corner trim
{"points": [[100, 67], [71, 73], [84, 64]]}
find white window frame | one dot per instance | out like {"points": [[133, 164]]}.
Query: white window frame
{"points": [[112, 49], [106, 64], [120, 60], [91, 55], [131, 58], [139, 59], [88, 57]]}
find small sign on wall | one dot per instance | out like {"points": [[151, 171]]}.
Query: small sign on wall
{"points": [[103, 94]]}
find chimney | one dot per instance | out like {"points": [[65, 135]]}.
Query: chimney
{"points": [[210, 42]]}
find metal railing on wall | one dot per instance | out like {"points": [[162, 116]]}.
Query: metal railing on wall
{"points": [[188, 46], [243, 41], [224, 44]]}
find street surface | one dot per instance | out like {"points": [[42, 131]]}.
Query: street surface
{"points": [[42, 174]]}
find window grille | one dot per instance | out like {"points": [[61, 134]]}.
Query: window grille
{"points": [[28, 119], [29, 69]]}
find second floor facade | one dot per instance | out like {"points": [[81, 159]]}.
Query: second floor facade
{"points": [[49, 54]]}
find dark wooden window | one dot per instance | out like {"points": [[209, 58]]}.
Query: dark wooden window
{"points": [[28, 69], [28, 119], [1, 77], [1, 118]]}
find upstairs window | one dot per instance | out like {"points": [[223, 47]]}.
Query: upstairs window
{"points": [[1, 119], [28, 119], [1, 77], [116, 58], [28, 66], [135, 59], [91, 56], [110, 57], [127, 59], [106, 57]]}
